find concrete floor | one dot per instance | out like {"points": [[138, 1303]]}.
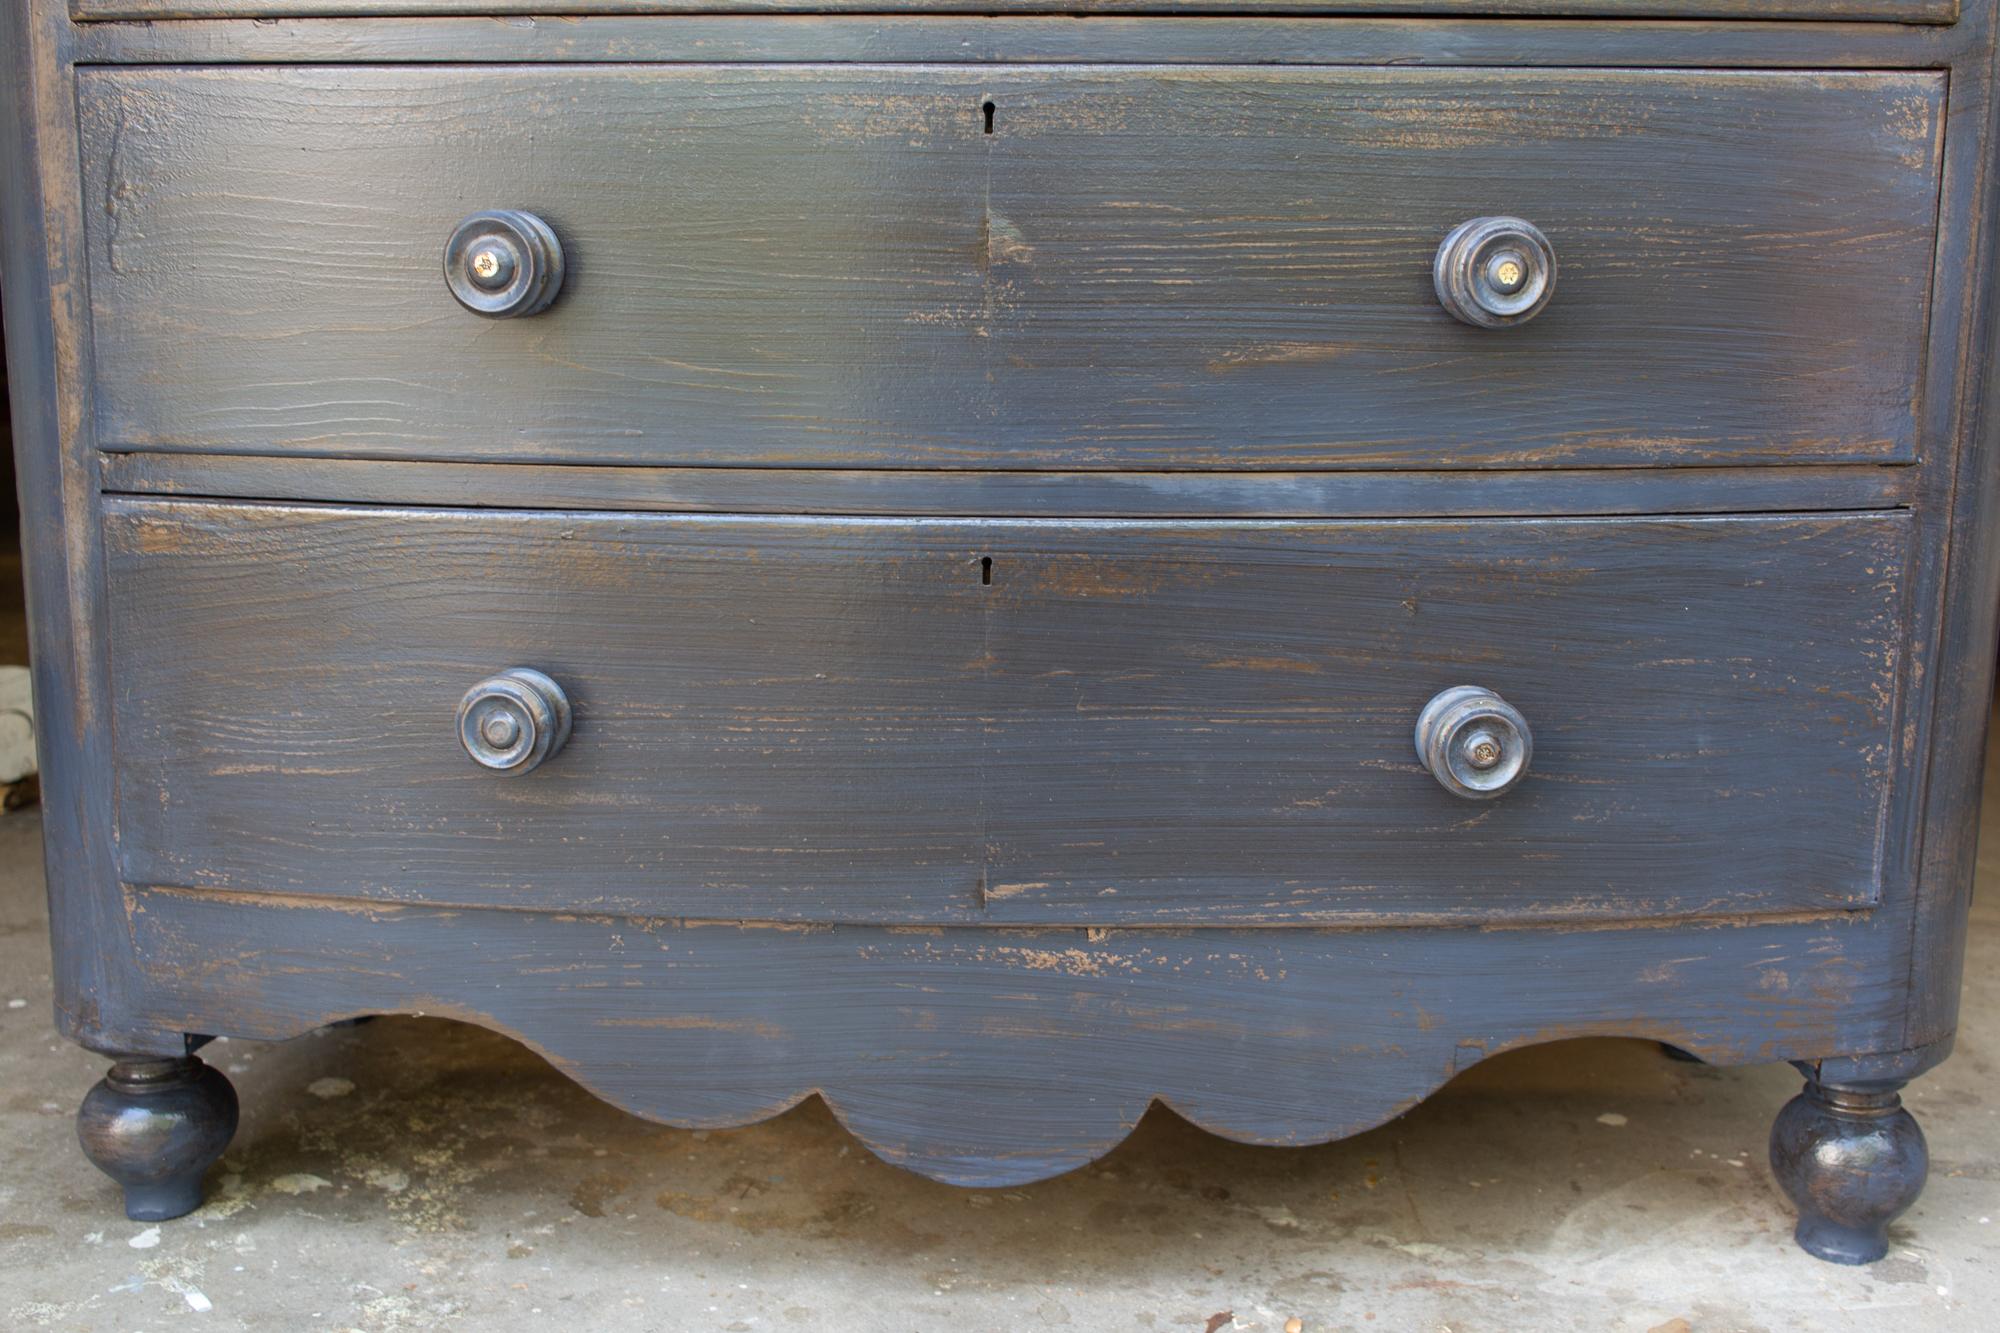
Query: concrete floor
{"points": [[418, 1174]]}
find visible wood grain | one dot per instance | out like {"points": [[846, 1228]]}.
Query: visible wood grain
{"points": [[1899, 11], [857, 491], [1148, 269], [1016, 1059], [1031, 39], [97, 992], [1110, 722], [992, 1057], [1965, 501]]}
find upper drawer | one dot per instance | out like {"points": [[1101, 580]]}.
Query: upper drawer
{"points": [[1136, 267], [1900, 11]]}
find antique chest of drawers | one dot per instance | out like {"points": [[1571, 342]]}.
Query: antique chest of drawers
{"points": [[1001, 566]]}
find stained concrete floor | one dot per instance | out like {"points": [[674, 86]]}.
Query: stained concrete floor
{"points": [[417, 1174]]}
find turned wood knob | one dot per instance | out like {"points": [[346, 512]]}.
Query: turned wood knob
{"points": [[513, 721], [1853, 1160], [1493, 272], [1476, 744], [503, 263], [155, 1125]]}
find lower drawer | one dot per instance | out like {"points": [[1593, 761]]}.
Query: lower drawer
{"points": [[1007, 721]]}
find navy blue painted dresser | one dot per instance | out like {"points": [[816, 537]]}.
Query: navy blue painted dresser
{"points": [[998, 566]]}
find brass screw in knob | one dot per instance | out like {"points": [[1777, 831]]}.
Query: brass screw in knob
{"points": [[1476, 744], [1507, 272], [491, 267], [1482, 750]]}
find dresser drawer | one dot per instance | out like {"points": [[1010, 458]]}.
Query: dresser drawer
{"points": [[1900, 11], [1067, 268], [1007, 721]]}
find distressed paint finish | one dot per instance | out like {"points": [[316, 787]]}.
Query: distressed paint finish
{"points": [[993, 1057], [97, 991], [975, 1051], [1027, 39], [1901, 11], [952, 721], [858, 491], [1136, 269]]}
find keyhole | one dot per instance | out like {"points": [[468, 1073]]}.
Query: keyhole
{"points": [[987, 111], [986, 570]]}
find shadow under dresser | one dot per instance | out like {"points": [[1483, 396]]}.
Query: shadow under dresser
{"points": [[1001, 566]]}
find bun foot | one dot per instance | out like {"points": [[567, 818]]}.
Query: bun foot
{"points": [[1852, 1160], [155, 1126]]}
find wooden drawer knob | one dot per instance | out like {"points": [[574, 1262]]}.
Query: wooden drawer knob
{"points": [[513, 721], [1493, 272], [503, 263], [1476, 744]]}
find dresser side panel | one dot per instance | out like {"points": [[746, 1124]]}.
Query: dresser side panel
{"points": [[1961, 688], [48, 379]]}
